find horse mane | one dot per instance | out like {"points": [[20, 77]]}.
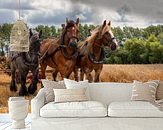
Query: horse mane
{"points": [[90, 40], [52, 40], [99, 31]]}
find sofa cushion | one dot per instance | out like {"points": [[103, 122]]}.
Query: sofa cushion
{"points": [[74, 109], [159, 93], [70, 95], [48, 88], [72, 84], [133, 109], [144, 91]]}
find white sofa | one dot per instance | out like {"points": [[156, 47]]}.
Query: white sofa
{"points": [[112, 110]]}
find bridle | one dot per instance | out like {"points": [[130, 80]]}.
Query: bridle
{"points": [[65, 31], [109, 41], [63, 46], [33, 51], [102, 55], [74, 38]]}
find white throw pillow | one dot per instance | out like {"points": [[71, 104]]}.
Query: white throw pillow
{"points": [[49, 86], [144, 91], [72, 84], [70, 95]]}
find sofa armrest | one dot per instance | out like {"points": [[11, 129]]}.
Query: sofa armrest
{"points": [[36, 104]]}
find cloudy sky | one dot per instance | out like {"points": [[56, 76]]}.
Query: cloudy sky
{"points": [[137, 13]]}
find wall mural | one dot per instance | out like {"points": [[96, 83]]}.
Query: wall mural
{"points": [[106, 41]]}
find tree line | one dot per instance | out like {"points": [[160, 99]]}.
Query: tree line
{"points": [[137, 45], [137, 51]]}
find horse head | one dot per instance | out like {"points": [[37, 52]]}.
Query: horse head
{"points": [[107, 36], [34, 45], [70, 33]]}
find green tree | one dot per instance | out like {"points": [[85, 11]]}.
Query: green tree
{"points": [[135, 48], [154, 49], [5, 31], [118, 33], [53, 31], [81, 33], [160, 38]]}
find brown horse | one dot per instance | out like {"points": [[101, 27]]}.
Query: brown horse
{"points": [[91, 51], [61, 53]]}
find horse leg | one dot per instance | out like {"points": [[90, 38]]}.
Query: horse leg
{"points": [[13, 86], [97, 75], [88, 75], [54, 74], [33, 86], [71, 69], [23, 89], [76, 73], [81, 74], [43, 69], [65, 73]]}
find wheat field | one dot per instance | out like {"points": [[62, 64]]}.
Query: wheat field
{"points": [[128, 73], [110, 73]]}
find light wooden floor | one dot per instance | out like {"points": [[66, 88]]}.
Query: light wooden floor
{"points": [[6, 122]]}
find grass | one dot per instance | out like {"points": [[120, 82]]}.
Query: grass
{"points": [[110, 73], [5, 93]]}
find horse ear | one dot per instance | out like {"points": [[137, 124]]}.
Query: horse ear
{"points": [[67, 20], [40, 33], [109, 23], [77, 21], [63, 26], [104, 23], [30, 32], [89, 32]]}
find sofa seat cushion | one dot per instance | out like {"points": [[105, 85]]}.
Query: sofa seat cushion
{"points": [[133, 109], [74, 109]]}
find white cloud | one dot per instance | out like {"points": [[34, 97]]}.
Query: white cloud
{"points": [[7, 16], [81, 16], [120, 12]]}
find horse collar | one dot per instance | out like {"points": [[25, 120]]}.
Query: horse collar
{"points": [[93, 60], [65, 53]]}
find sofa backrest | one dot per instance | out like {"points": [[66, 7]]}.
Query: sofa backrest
{"points": [[109, 92]]}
